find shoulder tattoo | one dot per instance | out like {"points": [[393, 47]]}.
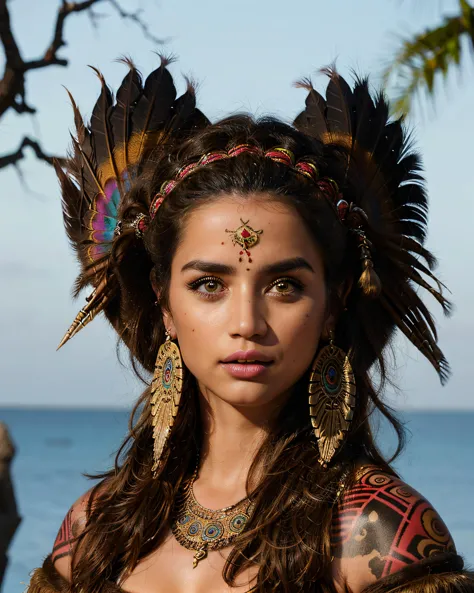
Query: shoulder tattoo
{"points": [[387, 522], [68, 532]]}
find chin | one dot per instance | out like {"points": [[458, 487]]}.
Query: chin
{"points": [[247, 394]]}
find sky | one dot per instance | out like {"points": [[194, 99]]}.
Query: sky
{"points": [[245, 56]]}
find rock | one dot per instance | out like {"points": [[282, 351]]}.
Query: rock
{"points": [[9, 518]]}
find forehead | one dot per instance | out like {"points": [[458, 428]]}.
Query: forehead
{"points": [[207, 232]]}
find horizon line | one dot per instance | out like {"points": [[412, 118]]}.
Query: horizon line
{"points": [[126, 408]]}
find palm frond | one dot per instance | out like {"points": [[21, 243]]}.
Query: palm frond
{"points": [[433, 52]]}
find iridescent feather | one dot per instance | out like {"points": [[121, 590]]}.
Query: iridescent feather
{"points": [[107, 156]]}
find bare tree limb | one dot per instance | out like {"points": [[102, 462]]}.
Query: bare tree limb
{"points": [[12, 84], [14, 157], [22, 107], [94, 18], [136, 18], [12, 53], [50, 58]]}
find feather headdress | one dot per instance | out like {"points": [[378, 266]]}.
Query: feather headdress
{"points": [[377, 171], [376, 154], [108, 155]]}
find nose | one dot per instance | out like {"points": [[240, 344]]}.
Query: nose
{"points": [[247, 312]]}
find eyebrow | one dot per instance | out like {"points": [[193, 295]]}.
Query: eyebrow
{"points": [[287, 265]]}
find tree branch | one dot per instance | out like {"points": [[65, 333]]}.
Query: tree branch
{"points": [[14, 157], [67, 8], [135, 17], [12, 85], [22, 107], [50, 58], [12, 53]]}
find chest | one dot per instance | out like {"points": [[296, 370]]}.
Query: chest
{"points": [[170, 570]]}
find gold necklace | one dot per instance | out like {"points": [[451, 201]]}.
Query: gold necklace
{"points": [[197, 528]]}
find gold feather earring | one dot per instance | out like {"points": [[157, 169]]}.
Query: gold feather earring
{"points": [[332, 391], [166, 389]]}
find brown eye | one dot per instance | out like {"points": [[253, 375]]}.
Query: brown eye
{"points": [[286, 287], [211, 286], [207, 286], [283, 286]]}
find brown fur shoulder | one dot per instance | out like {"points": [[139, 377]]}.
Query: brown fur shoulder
{"points": [[441, 573], [47, 579]]}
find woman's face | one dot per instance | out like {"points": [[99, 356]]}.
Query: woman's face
{"points": [[227, 305]]}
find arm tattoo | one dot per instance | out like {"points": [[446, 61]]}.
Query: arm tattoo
{"points": [[384, 520]]}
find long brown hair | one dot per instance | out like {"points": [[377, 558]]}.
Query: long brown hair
{"points": [[288, 537]]}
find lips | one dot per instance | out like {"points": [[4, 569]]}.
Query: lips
{"points": [[247, 370], [249, 356], [247, 365]]}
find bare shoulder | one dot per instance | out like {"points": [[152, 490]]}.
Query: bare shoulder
{"points": [[383, 525], [71, 527]]}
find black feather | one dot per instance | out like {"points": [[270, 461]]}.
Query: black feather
{"points": [[312, 120], [383, 175], [100, 124], [339, 103], [183, 109], [154, 108], [127, 95]]}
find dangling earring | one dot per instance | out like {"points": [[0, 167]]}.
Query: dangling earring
{"points": [[332, 391], [166, 388]]}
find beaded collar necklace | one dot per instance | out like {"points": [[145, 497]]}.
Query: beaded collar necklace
{"points": [[198, 528]]}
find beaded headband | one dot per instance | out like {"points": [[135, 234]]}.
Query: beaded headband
{"points": [[277, 154], [282, 155], [368, 280]]}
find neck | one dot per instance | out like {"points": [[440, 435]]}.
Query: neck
{"points": [[232, 436]]}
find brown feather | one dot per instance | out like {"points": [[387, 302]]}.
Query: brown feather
{"points": [[116, 143]]}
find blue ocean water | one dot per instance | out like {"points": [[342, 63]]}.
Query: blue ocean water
{"points": [[55, 446]]}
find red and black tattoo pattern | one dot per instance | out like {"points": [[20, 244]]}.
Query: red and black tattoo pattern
{"points": [[62, 543], [383, 518]]}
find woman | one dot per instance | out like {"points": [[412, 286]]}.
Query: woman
{"points": [[251, 266]]}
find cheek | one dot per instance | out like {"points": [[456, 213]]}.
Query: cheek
{"points": [[300, 337], [193, 327], [301, 321], [191, 340], [194, 322]]}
